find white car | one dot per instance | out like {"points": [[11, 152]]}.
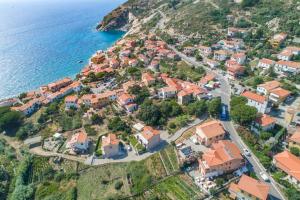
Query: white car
{"points": [[247, 152], [264, 176]]}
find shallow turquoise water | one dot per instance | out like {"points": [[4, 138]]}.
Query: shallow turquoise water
{"points": [[42, 41]]}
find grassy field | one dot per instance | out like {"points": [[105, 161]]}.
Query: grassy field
{"points": [[176, 187], [100, 182], [169, 158]]}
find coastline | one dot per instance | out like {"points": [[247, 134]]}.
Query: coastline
{"points": [[73, 76]]}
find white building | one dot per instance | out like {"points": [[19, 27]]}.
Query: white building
{"points": [[167, 92], [290, 67], [266, 63], [78, 143], [257, 101]]}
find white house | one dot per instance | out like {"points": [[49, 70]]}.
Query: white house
{"points": [[167, 92], [258, 101], [266, 63], [110, 145], [263, 123], [71, 102], [79, 142], [290, 67], [285, 55], [240, 58], [149, 137], [265, 88]]}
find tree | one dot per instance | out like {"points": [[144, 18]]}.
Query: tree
{"points": [[238, 100], [214, 107], [295, 151], [197, 108], [96, 119], [265, 135], [141, 93], [249, 3], [243, 114], [151, 114], [9, 119], [117, 124]]}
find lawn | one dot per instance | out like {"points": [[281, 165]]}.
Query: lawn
{"points": [[100, 182], [175, 187], [133, 141]]}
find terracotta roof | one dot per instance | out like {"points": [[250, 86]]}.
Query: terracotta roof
{"points": [[267, 61], [80, 137], [270, 85], [149, 132], [255, 97], [221, 152], [236, 68], [295, 137], [185, 92], [147, 77], [211, 129], [125, 97], [293, 48], [254, 187], [282, 93], [265, 120], [110, 139], [289, 163], [208, 77], [71, 98], [168, 89], [291, 64], [238, 55]]}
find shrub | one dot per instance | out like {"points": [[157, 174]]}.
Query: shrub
{"points": [[118, 185]]}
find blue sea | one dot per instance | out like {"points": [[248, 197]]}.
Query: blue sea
{"points": [[42, 40]]}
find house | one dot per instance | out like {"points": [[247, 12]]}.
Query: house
{"points": [[294, 140], [220, 55], [232, 45], [185, 96], [240, 58], [258, 101], [232, 31], [211, 63], [295, 50], [148, 79], [29, 107], [279, 95], [263, 123], [278, 39], [143, 58], [149, 137], [56, 86], [167, 92], [223, 157], [154, 65], [110, 145], [206, 79], [131, 107], [249, 189], [235, 71], [266, 87], [125, 99], [204, 50], [265, 63], [133, 62], [114, 63], [290, 164], [126, 86], [210, 132], [71, 102], [79, 142], [95, 101], [289, 67], [285, 55]]}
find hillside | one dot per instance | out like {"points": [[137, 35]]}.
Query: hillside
{"points": [[200, 18]]}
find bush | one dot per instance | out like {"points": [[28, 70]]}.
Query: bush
{"points": [[118, 185], [295, 151]]}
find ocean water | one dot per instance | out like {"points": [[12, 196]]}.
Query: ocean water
{"points": [[42, 40]]}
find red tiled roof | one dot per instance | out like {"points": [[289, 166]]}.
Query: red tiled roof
{"points": [[254, 97]]}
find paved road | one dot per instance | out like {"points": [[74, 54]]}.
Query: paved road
{"points": [[225, 95], [132, 156]]}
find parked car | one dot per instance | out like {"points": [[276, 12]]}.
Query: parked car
{"points": [[247, 152], [264, 176]]}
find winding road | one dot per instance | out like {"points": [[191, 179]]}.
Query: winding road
{"points": [[275, 192]]}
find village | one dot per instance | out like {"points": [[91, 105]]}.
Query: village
{"points": [[142, 94]]}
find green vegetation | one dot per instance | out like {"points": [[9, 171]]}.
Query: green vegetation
{"points": [[240, 112], [117, 124], [157, 113], [141, 93], [10, 120], [197, 108], [214, 107]]}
